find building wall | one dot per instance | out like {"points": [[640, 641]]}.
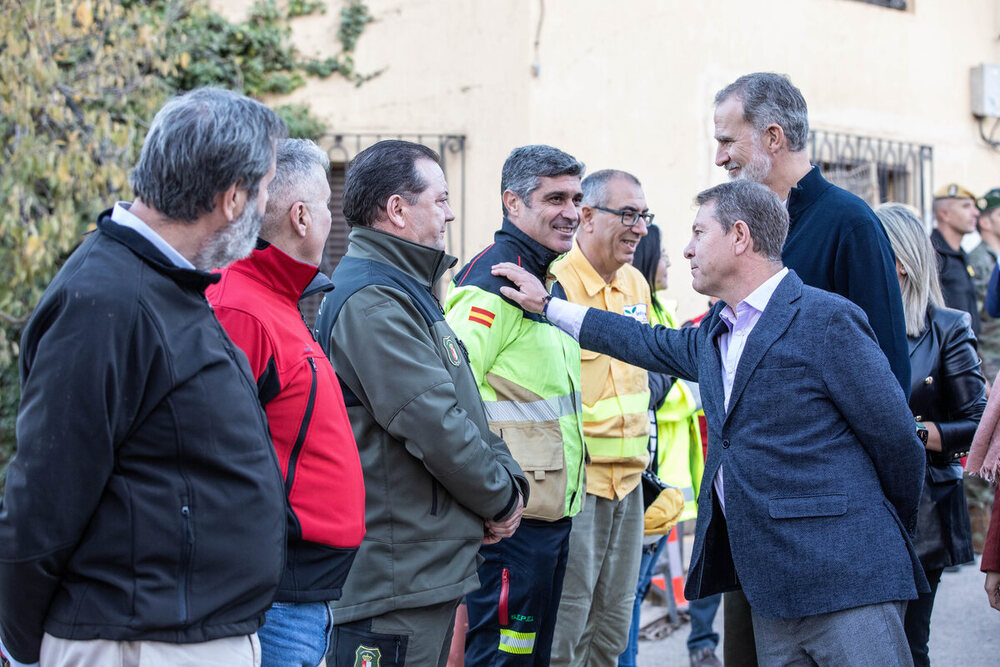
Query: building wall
{"points": [[630, 85]]}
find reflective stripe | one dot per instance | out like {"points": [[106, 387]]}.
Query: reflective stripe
{"points": [[522, 643], [617, 447], [615, 406], [542, 410]]}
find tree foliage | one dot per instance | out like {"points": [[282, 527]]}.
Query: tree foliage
{"points": [[79, 82]]}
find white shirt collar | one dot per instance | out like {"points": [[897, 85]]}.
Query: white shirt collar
{"points": [[757, 300], [122, 216]]}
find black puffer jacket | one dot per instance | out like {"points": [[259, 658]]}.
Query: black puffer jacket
{"points": [[145, 500], [948, 389]]}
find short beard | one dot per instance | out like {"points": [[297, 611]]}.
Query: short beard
{"points": [[758, 168], [234, 241]]}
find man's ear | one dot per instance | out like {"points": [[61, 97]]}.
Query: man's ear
{"points": [[299, 219], [742, 241], [773, 137], [512, 203], [230, 202], [395, 210], [587, 218]]}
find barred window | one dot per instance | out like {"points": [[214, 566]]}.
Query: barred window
{"points": [[877, 170]]}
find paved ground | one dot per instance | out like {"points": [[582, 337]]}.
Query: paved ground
{"points": [[965, 630]]}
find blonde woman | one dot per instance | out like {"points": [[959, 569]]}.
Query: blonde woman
{"points": [[947, 395]]}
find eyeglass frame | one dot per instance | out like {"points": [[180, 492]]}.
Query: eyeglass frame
{"points": [[647, 217]]}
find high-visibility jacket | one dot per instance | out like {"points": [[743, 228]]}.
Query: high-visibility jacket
{"points": [[680, 461], [528, 373], [615, 394]]}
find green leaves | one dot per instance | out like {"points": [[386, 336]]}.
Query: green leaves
{"points": [[80, 80]]}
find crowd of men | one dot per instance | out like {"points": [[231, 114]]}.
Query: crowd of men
{"points": [[200, 479]]}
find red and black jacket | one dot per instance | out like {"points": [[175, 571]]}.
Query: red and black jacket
{"points": [[257, 303]]}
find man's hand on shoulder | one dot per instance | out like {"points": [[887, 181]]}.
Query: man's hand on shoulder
{"points": [[497, 530], [530, 293]]}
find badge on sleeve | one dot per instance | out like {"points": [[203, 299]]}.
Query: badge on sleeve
{"points": [[451, 350]]}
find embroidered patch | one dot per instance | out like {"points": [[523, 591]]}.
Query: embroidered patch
{"points": [[481, 316], [366, 656], [636, 312], [451, 350]]}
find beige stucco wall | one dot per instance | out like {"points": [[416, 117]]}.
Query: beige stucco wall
{"points": [[630, 84]]}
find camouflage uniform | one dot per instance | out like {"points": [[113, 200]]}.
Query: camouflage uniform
{"points": [[982, 259]]}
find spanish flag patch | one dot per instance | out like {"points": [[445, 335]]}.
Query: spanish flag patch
{"points": [[482, 316]]}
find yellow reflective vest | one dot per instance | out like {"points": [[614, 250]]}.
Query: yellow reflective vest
{"points": [[615, 394], [528, 373]]}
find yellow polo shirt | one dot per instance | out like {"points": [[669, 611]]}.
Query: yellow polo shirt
{"points": [[615, 394]]}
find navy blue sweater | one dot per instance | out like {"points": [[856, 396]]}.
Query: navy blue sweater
{"points": [[836, 243]]}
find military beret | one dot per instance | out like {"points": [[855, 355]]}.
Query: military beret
{"points": [[990, 200], [953, 191]]}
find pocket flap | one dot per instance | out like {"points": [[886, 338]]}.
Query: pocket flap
{"points": [[807, 506], [534, 445]]}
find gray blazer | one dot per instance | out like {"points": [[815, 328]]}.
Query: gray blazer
{"points": [[822, 466]]}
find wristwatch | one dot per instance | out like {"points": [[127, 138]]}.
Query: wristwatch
{"points": [[922, 432]]}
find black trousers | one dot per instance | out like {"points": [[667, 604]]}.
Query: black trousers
{"points": [[917, 622], [512, 617]]}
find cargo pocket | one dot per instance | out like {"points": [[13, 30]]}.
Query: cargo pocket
{"points": [[538, 449]]}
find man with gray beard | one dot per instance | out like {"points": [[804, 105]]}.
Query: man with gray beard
{"points": [[144, 513], [834, 241]]}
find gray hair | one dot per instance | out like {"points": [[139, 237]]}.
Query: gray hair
{"points": [[921, 285], [771, 98], [200, 144], [595, 186], [525, 166], [295, 178], [757, 206]]}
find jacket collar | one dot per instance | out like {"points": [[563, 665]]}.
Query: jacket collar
{"points": [[421, 262], [533, 256], [806, 192], [149, 253], [591, 280], [277, 270]]}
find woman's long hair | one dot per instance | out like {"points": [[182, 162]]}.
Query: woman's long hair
{"points": [[920, 284], [647, 257]]}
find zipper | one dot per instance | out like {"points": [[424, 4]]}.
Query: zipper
{"points": [[465, 350], [303, 429], [188, 548], [434, 497], [504, 594]]}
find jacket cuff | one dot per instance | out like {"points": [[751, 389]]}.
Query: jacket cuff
{"points": [[519, 486]]}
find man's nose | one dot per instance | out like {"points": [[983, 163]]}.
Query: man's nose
{"points": [[721, 156], [571, 211]]}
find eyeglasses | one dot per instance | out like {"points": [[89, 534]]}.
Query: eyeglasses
{"points": [[629, 216]]}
